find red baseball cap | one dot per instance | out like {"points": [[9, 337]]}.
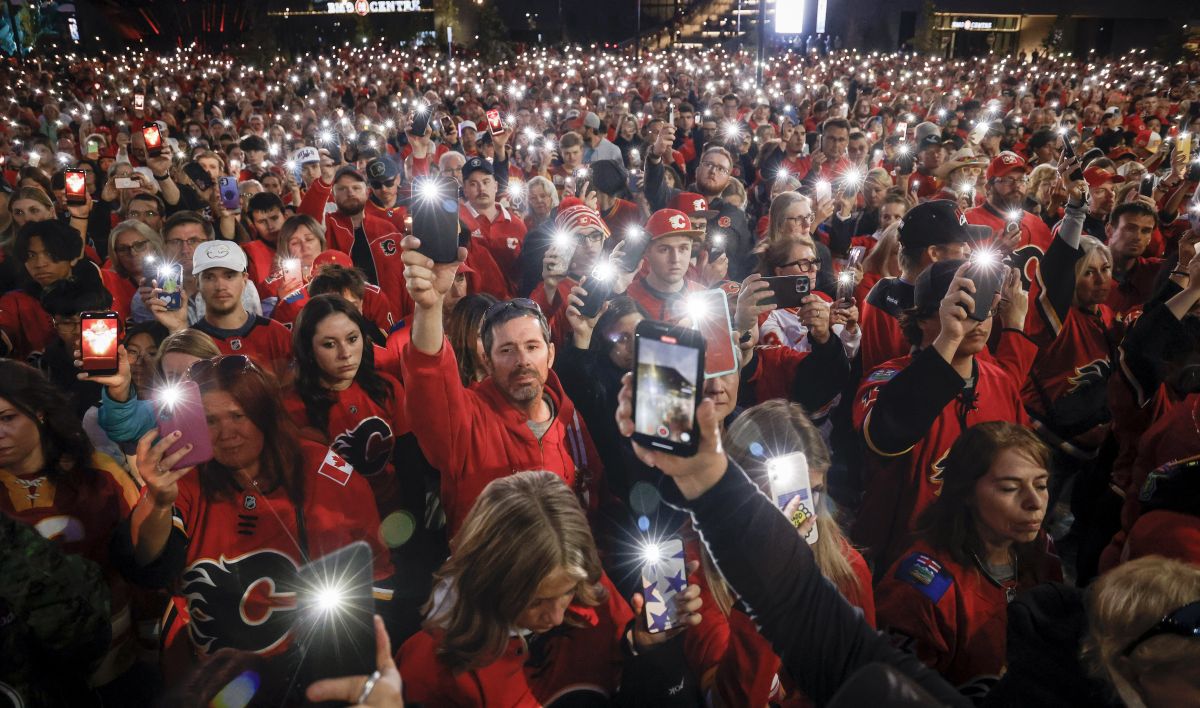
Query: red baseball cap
{"points": [[1004, 164], [332, 257], [692, 204], [1121, 152], [1096, 176], [671, 222]]}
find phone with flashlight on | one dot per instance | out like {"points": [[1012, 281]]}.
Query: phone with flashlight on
{"points": [[180, 409], [664, 575], [434, 210], [599, 285], [708, 312], [335, 626], [845, 281], [988, 271], [788, 480], [170, 281], [667, 387]]}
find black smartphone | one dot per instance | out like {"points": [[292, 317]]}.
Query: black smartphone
{"points": [[198, 175], [988, 277], [99, 337], [434, 209], [633, 248], [667, 387], [1146, 189], [1069, 154], [153, 139], [715, 245], [75, 184], [787, 290], [599, 287], [421, 118], [335, 625]]}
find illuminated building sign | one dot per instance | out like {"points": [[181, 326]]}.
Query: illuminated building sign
{"points": [[978, 25], [363, 7]]}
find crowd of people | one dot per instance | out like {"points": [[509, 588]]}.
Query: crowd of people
{"points": [[991, 375]]}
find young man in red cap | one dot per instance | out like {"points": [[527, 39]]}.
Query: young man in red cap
{"points": [[663, 287], [1007, 176], [1100, 180]]}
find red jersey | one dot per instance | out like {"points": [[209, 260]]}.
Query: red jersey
{"points": [[25, 328], [556, 312], [376, 307], [473, 436], [363, 431], [664, 307], [586, 656], [922, 185], [394, 214], [243, 552], [122, 291], [621, 217], [901, 484], [1034, 231], [260, 259], [830, 170], [265, 341], [1134, 287], [879, 318], [502, 235], [952, 616]]}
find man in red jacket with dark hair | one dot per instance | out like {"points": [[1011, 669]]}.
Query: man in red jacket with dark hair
{"points": [[518, 418]]}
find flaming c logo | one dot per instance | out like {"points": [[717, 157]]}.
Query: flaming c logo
{"points": [[242, 603], [368, 447], [678, 222]]}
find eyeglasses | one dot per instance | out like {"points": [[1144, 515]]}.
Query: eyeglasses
{"points": [[1182, 622], [220, 368], [805, 219], [189, 242], [804, 264], [135, 247], [1012, 181], [141, 214], [719, 169], [498, 311]]}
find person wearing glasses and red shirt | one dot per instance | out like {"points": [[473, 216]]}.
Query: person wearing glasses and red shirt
{"points": [[518, 418], [229, 535], [1007, 179]]}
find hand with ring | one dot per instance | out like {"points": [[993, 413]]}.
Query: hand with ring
{"points": [[379, 690]]}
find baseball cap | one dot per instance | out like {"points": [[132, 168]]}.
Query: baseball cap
{"points": [[476, 164], [1004, 164], [381, 169], [932, 285], [671, 222], [466, 124], [1096, 176], [692, 204], [936, 223], [331, 257], [306, 155], [591, 120], [219, 254], [927, 135], [1122, 153], [609, 176]]}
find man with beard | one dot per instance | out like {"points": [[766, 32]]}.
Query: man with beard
{"points": [[518, 418], [1007, 179], [372, 242], [220, 267], [1102, 180], [385, 177]]}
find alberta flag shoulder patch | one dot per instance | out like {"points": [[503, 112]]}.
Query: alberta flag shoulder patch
{"points": [[926, 575]]}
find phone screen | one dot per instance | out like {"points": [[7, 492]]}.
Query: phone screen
{"points": [[93, 146], [447, 125], [667, 369], [153, 139], [495, 125], [664, 575], [139, 101], [76, 186], [787, 476], [99, 338], [170, 280]]}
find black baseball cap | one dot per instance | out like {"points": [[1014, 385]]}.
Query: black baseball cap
{"points": [[476, 164], [932, 285], [936, 223], [382, 169], [609, 176]]}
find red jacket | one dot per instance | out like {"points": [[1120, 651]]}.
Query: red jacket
{"points": [[576, 657], [376, 307], [473, 436], [879, 318], [25, 328], [953, 617], [1136, 286]]}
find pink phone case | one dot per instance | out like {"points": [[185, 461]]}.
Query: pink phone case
{"points": [[186, 414]]}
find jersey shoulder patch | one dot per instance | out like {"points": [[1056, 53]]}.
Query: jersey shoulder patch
{"points": [[879, 375], [926, 575]]}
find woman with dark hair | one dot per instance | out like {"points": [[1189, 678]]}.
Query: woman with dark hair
{"points": [[229, 535], [342, 399], [54, 482], [980, 542], [462, 329]]}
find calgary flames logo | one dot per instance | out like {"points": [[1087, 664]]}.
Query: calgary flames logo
{"points": [[699, 205], [367, 447], [1090, 374], [678, 222], [242, 603], [937, 473]]}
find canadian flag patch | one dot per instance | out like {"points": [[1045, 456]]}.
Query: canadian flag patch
{"points": [[335, 467]]}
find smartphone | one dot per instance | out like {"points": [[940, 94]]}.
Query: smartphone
{"points": [[902, 130], [787, 477], [127, 183], [1183, 144], [198, 175], [434, 209], [787, 290], [447, 125], [664, 575], [632, 182], [599, 287], [420, 123], [708, 311], [100, 335], [671, 116], [334, 625], [228, 189], [495, 125], [170, 280], [1146, 189], [139, 102], [846, 285], [76, 186], [291, 269], [715, 246], [822, 190], [93, 146], [153, 139], [1069, 154], [633, 248], [180, 409], [988, 279], [667, 387]]}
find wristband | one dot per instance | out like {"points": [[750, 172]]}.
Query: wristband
{"points": [[1184, 273], [163, 178]]}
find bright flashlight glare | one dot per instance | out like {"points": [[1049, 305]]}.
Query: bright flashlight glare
{"points": [[516, 190], [782, 174], [326, 136], [845, 278], [731, 130], [170, 395], [603, 271], [985, 257], [903, 149], [291, 263], [563, 240], [717, 239], [428, 189], [697, 309], [1015, 215], [651, 553], [633, 232], [853, 177], [330, 598]]}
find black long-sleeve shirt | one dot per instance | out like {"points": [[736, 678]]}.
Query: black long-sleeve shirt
{"points": [[820, 638]]}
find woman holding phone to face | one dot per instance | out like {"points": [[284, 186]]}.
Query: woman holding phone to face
{"points": [[522, 614], [227, 534], [980, 543]]}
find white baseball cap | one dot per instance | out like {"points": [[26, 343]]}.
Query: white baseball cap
{"points": [[306, 155], [467, 124], [219, 254]]}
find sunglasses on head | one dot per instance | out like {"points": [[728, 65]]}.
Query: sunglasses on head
{"points": [[1181, 622], [497, 311], [220, 368]]}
